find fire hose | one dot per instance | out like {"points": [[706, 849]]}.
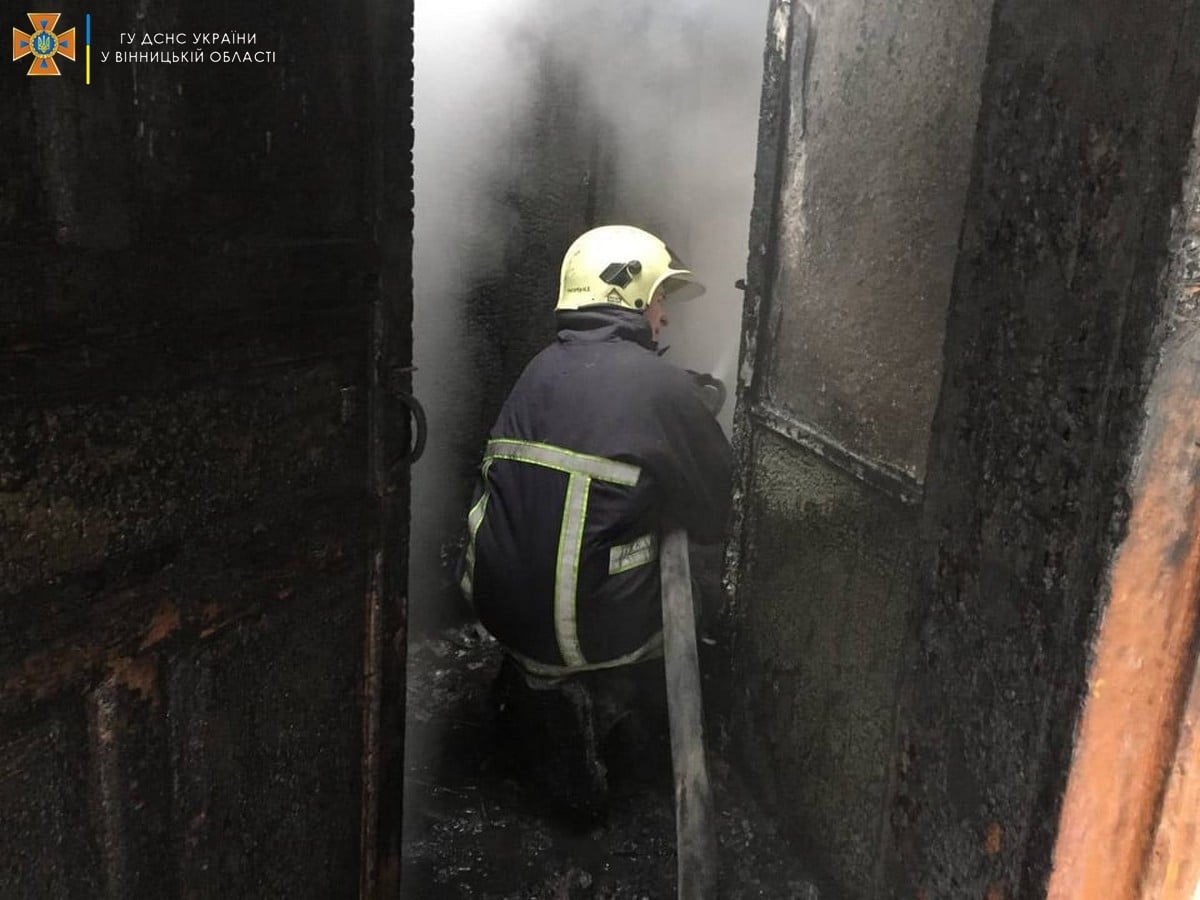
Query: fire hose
{"points": [[695, 825]]}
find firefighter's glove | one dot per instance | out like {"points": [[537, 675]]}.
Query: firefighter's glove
{"points": [[712, 390]]}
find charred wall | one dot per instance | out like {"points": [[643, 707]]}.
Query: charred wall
{"points": [[559, 184], [193, 258], [1054, 326], [950, 593]]}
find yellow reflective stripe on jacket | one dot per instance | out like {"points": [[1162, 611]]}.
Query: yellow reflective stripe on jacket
{"points": [[581, 469], [566, 579], [474, 520], [652, 649], [597, 467]]}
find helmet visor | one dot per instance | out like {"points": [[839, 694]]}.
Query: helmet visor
{"points": [[679, 284], [680, 287]]}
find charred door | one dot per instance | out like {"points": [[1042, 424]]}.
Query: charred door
{"points": [[204, 339], [868, 117]]}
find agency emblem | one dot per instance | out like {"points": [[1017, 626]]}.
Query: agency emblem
{"points": [[44, 44]]}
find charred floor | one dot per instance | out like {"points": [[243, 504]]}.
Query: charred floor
{"points": [[478, 830]]}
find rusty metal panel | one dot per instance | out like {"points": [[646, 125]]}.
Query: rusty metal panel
{"points": [[186, 516]]}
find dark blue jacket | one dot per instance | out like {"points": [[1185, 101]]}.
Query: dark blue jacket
{"points": [[600, 446]]}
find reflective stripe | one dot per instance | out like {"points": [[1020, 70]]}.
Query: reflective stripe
{"points": [[474, 520], [649, 650], [581, 469], [636, 553], [566, 577], [475, 516], [564, 460]]}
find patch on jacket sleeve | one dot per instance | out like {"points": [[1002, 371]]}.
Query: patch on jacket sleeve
{"points": [[636, 553]]}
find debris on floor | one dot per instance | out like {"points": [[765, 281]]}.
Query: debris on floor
{"points": [[474, 832]]}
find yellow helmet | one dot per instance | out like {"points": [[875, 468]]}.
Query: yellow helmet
{"points": [[624, 266]]}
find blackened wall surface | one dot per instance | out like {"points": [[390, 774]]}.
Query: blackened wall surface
{"points": [[192, 254], [1054, 323], [558, 186]]}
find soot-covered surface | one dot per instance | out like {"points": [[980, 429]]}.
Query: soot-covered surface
{"points": [[473, 831]]}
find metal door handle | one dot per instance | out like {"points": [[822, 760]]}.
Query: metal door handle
{"points": [[420, 430]]}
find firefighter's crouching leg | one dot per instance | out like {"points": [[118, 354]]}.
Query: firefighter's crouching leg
{"points": [[549, 733], [632, 710]]}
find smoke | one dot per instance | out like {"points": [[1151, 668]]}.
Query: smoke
{"points": [[677, 85], [672, 93], [471, 85]]}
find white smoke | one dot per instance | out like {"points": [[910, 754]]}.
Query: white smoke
{"points": [[677, 85], [471, 85]]}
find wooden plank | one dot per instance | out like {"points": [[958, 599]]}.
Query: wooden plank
{"points": [[1144, 665]]}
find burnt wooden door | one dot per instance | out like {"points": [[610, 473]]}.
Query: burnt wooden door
{"points": [[205, 315]]}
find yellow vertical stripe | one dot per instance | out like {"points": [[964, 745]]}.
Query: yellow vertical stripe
{"points": [[566, 582], [581, 469], [474, 520]]}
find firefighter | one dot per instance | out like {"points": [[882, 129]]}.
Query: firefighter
{"points": [[601, 445]]}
